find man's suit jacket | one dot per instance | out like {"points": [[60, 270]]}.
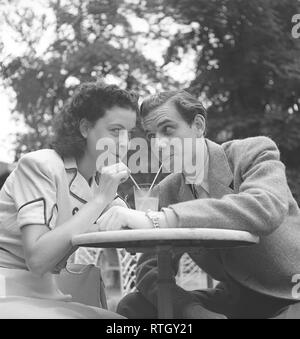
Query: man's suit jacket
{"points": [[248, 191]]}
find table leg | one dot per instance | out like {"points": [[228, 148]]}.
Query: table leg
{"points": [[165, 281]]}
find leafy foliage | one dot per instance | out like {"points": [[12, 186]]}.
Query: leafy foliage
{"points": [[246, 63], [247, 66], [88, 40]]}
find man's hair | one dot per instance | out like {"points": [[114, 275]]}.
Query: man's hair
{"points": [[90, 101], [187, 105]]}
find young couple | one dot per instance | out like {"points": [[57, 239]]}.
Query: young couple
{"points": [[53, 195]]}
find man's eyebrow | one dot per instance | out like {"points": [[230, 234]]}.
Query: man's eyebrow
{"points": [[164, 122]]}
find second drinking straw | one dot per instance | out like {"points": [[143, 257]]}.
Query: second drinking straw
{"points": [[157, 174]]}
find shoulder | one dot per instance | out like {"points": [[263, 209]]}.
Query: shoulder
{"points": [[251, 147], [169, 188], [46, 161], [171, 181]]}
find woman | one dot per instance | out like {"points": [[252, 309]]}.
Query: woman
{"points": [[52, 196]]}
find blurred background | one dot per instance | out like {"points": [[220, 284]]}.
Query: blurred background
{"points": [[237, 56]]}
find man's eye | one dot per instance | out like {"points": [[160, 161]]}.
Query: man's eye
{"points": [[168, 130]]}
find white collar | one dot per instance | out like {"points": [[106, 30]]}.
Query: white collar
{"points": [[78, 186], [204, 182]]}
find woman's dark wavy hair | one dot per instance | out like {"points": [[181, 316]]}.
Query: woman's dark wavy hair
{"points": [[90, 101], [187, 105]]}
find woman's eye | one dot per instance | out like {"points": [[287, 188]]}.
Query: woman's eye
{"points": [[116, 130], [131, 135], [150, 136]]}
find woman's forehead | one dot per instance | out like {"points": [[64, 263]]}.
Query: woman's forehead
{"points": [[120, 115]]}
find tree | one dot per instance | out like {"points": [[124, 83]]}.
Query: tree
{"points": [[63, 44], [246, 63], [247, 67]]}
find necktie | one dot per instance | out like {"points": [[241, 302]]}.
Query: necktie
{"points": [[199, 192]]}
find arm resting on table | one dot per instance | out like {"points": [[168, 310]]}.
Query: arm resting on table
{"points": [[261, 203]]}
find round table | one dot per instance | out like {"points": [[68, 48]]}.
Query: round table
{"points": [[165, 242]]}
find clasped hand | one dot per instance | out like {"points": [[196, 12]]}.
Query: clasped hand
{"points": [[117, 218]]}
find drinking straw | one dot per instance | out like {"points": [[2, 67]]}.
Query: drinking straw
{"points": [[130, 176], [136, 184], [157, 174]]}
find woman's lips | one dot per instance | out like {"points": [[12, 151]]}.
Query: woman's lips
{"points": [[167, 158]]}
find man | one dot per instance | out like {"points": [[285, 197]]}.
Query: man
{"points": [[243, 187]]}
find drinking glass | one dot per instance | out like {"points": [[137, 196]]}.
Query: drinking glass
{"points": [[146, 199]]}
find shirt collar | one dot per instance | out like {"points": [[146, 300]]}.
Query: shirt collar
{"points": [[204, 183], [78, 186], [202, 178], [70, 163]]}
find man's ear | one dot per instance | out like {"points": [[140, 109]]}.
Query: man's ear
{"points": [[200, 125], [84, 127]]}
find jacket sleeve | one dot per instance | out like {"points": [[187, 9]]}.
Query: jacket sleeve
{"points": [[262, 201]]}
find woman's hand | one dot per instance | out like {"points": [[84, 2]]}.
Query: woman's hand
{"points": [[117, 218], [111, 177]]}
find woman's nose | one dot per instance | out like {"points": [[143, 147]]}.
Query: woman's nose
{"points": [[123, 143], [161, 142], [123, 140]]}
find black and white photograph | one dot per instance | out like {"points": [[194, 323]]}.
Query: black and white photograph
{"points": [[149, 162]]}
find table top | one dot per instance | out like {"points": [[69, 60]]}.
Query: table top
{"points": [[175, 237]]}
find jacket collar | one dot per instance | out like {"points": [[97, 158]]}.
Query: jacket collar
{"points": [[78, 186], [220, 176]]}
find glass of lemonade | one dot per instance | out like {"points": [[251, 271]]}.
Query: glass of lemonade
{"points": [[145, 199]]}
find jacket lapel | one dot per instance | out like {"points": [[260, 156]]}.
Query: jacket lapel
{"points": [[78, 186], [220, 176]]}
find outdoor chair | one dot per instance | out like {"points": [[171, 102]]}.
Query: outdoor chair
{"points": [[189, 275], [84, 283]]}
